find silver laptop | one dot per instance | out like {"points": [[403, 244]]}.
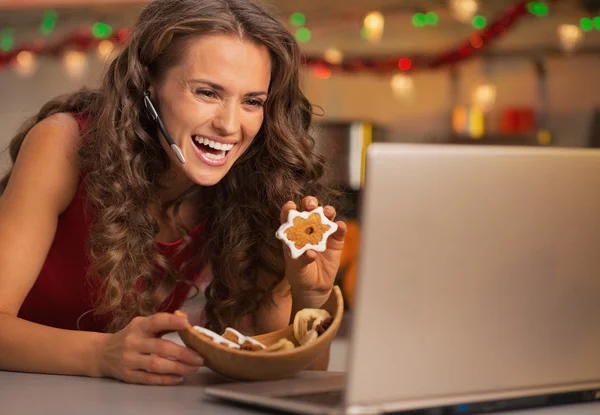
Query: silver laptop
{"points": [[478, 286]]}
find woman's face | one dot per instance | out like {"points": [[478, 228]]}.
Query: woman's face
{"points": [[212, 104]]}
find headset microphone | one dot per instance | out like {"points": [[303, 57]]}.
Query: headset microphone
{"points": [[153, 114]]}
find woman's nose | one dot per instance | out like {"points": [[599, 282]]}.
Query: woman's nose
{"points": [[227, 119]]}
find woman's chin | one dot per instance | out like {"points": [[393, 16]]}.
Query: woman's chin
{"points": [[207, 179]]}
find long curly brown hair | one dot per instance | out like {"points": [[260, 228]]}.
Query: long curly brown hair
{"points": [[124, 163]]}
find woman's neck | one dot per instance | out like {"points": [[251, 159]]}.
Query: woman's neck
{"points": [[174, 184]]}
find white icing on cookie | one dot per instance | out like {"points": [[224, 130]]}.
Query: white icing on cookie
{"points": [[321, 246], [241, 338], [216, 338]]}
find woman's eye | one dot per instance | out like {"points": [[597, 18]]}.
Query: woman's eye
{"points": [[205, 93], [255, 103]]}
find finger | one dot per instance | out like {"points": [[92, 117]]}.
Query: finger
{"points": [[329, 212], [306, 258], [157, 364], [170, 350], [146, 378], [285, 210], [310, 256], [310, 203], [336, 240], [159, 322]]}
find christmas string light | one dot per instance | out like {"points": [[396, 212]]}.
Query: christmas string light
{"points": [[480, 40]]}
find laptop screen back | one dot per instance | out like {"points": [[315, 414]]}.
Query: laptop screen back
{"points": [[479, 275]]}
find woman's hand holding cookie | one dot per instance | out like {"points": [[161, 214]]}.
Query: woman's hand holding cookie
{"points": [[313, 273]]}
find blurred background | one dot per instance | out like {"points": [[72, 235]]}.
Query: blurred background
{"points": [[436, 71]]}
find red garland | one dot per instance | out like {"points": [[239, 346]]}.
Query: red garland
{"points": [[80, 41], [484, 38], [480, 40], [477, 42]]}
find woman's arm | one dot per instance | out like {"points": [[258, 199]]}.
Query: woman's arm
{"points": [[272, 317], [42, 184], [281, 314]]}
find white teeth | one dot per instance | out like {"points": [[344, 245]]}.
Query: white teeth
{"points": [[213, 144], [219, 156]]}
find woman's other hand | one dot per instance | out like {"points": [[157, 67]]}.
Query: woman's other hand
{"points": [[136, 354]]}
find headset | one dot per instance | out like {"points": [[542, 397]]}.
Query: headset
{"points": [[153, 114]]}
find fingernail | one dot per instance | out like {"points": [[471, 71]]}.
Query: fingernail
{"points": [[179, 379], [198, 360], [312, 204]]}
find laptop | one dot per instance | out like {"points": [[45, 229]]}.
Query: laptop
{"points": [[478, 286]]}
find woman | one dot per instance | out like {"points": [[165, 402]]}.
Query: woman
{"points": [[113, 213]]}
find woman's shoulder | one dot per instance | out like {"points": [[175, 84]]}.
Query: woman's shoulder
{"points": [[64, 122], [57, 137], [50, 150]]}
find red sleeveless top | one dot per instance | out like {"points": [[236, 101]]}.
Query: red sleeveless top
{"points": [[63, 293]]}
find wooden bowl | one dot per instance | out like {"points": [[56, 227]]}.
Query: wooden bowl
{"points": [[248, 365]]}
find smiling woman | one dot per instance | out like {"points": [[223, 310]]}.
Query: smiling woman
{"points": [[207, 104], [175, 174]]}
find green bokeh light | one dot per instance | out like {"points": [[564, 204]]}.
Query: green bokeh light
{"points": [[586, 24], [479, 22], [538, 8], [432, 18], [419, 20], [303, 35], [48, 22], [363, 33], [298, 19], [7, 39], [101, 30]]}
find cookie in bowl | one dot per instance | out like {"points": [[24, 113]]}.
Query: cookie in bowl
{"points": [[287, 351]]}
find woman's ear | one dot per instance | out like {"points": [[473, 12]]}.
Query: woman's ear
{"points": [[149, 82]]}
